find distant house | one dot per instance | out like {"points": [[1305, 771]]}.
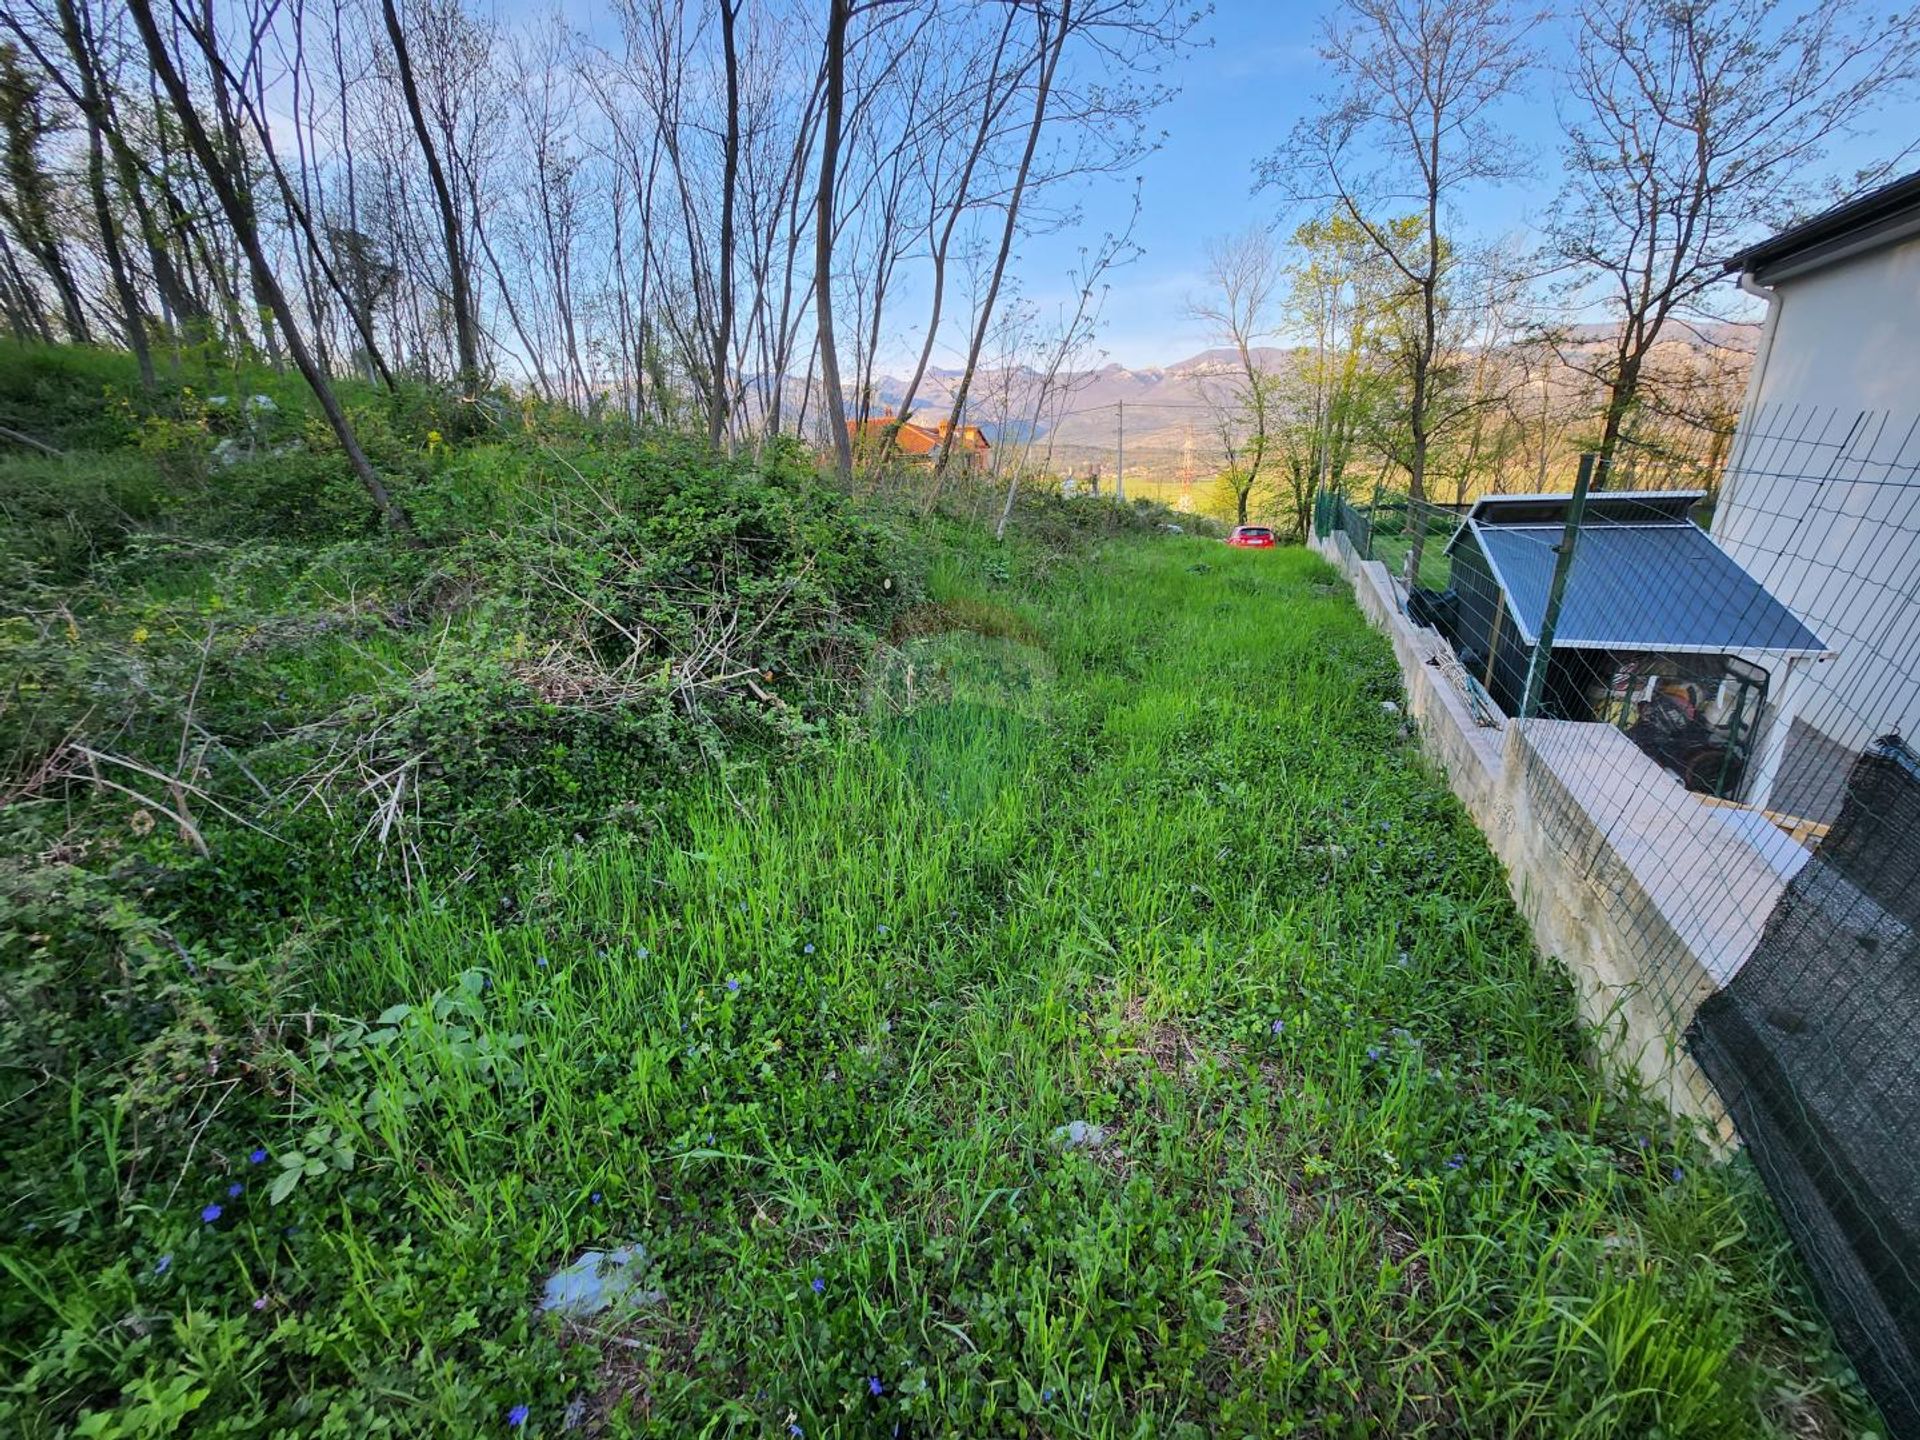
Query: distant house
{"points": [[921, 442], [1821, 499]]}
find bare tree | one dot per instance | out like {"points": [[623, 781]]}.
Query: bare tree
{"points": [[459, 285], [236, 205], [1409, 129], [28, 204], [1693, 126], [1244, 276]]}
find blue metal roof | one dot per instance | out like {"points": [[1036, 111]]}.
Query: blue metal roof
{"points": [[1657, 587]]}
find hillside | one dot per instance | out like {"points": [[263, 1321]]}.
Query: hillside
{"points": [[1173, 413]]}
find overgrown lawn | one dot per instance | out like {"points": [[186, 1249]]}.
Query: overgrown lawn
{"points": [[1123, 1033]]}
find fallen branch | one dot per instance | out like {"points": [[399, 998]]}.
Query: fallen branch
{"points": [[40, 445]]}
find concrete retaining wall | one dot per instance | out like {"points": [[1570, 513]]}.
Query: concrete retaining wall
{"points": [[1650, 898]]}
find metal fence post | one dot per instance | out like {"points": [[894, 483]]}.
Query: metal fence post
{"points": [[1562, 563], [1373, 508]]}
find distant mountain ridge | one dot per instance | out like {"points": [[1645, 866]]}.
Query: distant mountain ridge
{"points": [[1170, 411]]}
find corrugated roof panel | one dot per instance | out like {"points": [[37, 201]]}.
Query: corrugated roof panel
{"points": [[1642, 587]]}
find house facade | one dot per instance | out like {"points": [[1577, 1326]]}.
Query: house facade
{"points": [[1821, 497], [919, 441]]}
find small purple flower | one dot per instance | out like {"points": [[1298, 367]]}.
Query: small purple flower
{"points": [[1046, 1397], [163, 1264], [516, 1417], [260, 1303], [733, 986], [807, 949], [594, 1198], [541, 962], [1454, 1162], [258, 1157], [1640, 1142], [234, 1190], [819, 1286], [644, 953], [210, 1214], [874, 1387], [1278, 1026], [1678, 1174], [1373, 1052], [793, 1429], [881, 930]]}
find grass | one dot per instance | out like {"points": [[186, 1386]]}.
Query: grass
{"points": [[1143, 853]]}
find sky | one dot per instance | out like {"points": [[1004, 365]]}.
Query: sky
{"points": [[1238, 100]]}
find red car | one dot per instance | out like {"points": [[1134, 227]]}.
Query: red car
{"points": [[1252, 537]]}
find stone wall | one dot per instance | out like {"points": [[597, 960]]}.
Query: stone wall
{"points": [[1649, 897]]}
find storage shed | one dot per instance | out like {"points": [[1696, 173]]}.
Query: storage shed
{"points": [[1660, 630]]}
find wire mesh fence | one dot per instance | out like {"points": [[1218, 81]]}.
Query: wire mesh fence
{"points": [[1717, 692]]}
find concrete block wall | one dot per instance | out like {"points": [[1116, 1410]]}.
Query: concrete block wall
{"points": [[1648, 897]]}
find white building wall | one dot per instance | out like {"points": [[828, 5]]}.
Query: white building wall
{"points": [[1822, 504]]}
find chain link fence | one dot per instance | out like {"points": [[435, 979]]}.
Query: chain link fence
{"points": [[1718, 692]]}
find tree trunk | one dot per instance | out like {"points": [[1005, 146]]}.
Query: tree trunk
{"points": [[233, 202], [729, 182], [1620, 397], [834, 400], [465, 331], [24, 313]]}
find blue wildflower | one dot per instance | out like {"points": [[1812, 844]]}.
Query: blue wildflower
{"points": [[1678, 1174], [733, 986], [793, 1429], [1373, 1052], [210, 1214], [517, 1416], [644, 953], [163, 1264], [881, 930], [1046, 1397], [258, 1157], [595, 1197], [819, 1286], [874, 1387], [1278, 1026], [807, 949], [1456, 1161], [233, 1190], [541, 962]]}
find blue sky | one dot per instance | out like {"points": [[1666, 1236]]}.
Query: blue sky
{"points": [[1238, 100]]}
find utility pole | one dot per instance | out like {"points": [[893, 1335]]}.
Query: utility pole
{"points": [[1120, 467], [1556, 591]]}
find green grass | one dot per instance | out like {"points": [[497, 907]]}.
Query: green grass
{"points": [[1144, 852]]}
